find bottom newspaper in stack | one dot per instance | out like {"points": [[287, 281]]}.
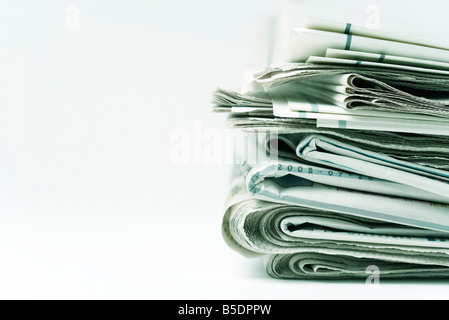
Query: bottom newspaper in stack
{"points": [[318, 204]]}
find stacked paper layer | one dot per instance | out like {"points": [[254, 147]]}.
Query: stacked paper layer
{"points": [[349, 168]]}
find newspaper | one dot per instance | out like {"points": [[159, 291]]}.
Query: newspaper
{"points": [[338, 264], [346, 157], [315, 23], [332, 116], [353, 91], [300, 242], [368, 59], [320, 35], [424, 150], [388, 61], [384, 72], [350, 180], [351, 174], [299, 71], [348, 101]]}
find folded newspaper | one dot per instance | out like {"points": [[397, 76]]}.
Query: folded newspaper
{"points": [[343, 76], [352, 166], [307, 243]]}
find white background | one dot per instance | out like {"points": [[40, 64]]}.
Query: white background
{"points": [[92, 203]]}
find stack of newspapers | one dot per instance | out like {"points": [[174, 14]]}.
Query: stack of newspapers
{"points": [[344, 166]]}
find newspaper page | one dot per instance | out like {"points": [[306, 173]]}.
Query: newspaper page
{"points": [[306, 243]]}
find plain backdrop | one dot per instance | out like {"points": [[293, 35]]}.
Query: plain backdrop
{"points": [[95, 203]]}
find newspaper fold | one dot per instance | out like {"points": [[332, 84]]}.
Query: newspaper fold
{"points": [[300, 242], [320, 34], [333, 153], [332, 175], [336, 264], [343, 100]]}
